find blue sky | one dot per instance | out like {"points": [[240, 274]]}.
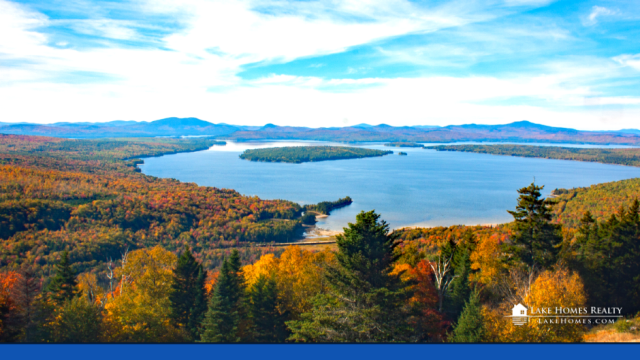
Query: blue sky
{"points": [[323, 63]]}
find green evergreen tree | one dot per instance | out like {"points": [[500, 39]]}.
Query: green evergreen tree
{"points": [[268, 322], [607, 257], [537, 241], [460, 288], [226, 314], [188, 303], [365, 303], [470, 326], [64, 285]]}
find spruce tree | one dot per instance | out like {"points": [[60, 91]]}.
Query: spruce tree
{"points": [[187, 296], [536, 242], [365, 302], [470, 326], [460, 289], [63, 285], [200, 305], [224, 319], [268, 322]]}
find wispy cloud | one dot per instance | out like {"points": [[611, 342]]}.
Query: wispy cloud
{"points": [[632, 61], [471, 61], [598, 12]]}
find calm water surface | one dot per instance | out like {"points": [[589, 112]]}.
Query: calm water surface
{"points": [[425, 188]]}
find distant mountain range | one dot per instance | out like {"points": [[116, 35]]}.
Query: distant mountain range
{"points": [[120, 128], [521, 131]]}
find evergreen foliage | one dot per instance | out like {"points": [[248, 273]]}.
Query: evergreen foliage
{"points": [[365, 302], [267, 319], [460, 288], [470, 326], [537, 240], [188, 296], [226, 314], [607, 256], [63, 285]]}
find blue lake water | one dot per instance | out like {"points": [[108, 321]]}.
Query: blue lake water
{"points": [[425, 188]]}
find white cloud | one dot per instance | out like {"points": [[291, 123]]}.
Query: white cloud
{"points": [[152, 83], [17, 26], [300, 101], [632, 61], [613, 100], [236, 28], [113, 29], [599, 11]]}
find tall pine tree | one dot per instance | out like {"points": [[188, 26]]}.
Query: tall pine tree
{"points": [[267, 319], [366, 302], [470, 326], [536, 242], [188, 298], [460, 289], [225, 320], [64, 285]]}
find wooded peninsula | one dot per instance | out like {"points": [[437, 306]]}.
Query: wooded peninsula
{"points": [[301, 154], [325, 207], [629, 157]]}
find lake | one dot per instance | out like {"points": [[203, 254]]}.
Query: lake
{"points": [[425, 188]]}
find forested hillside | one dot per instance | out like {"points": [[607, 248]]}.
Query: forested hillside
{"points": [[81, 196], [601, 200], [630, 157]]}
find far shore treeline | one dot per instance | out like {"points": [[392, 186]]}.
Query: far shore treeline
{"points": [[404, 144], [94, 251], [629, 157], [300, 154]]}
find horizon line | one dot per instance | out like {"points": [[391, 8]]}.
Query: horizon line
{"points": [[307, 127]]}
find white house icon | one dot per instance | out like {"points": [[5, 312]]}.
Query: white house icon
{"points": [[519, 314], [519, 310]]}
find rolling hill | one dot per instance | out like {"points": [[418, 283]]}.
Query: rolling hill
{"points": [[521, 131]]}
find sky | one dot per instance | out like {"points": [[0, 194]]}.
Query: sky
{"points": [[323, 63]]}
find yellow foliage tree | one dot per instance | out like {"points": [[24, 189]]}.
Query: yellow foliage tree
{"points": [[551, 290], [298, 273], [89, 288], [485, 259], [139, 311], [267, 265]]}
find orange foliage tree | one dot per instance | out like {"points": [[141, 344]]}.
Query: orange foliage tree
{"points": [[552, 289]]}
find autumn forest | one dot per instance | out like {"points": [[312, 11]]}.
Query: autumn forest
{"points": [[91, 250]]}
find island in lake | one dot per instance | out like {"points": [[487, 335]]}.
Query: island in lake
{"points": [[404, 144], [629, 157], [402, 153], [300, 154]]}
